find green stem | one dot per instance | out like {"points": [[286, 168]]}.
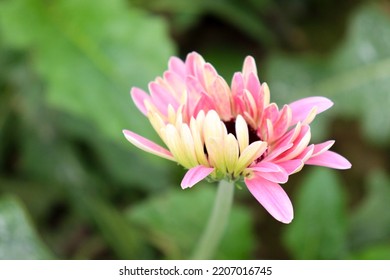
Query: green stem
{"points": [[217, 223]]}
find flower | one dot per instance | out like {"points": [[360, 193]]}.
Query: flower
{"points": [[232, 133]]}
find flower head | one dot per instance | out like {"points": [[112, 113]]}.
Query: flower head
{"points": [[232, 132]]}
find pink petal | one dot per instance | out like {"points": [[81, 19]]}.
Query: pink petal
{"points": [[139, 97], [205, 103], [147, 145], [194, 65], [291, 166], [283, 123], [210, 74], [254, 87], [280, 148], [263, 166], [273, 198], [237, 84], [330, 159], [306, 153], [322, 147], [195, 175], [249, 66], [194, 88], [301, 108], [177, 66], [270, 171], [162, 98], [280, 177], [271, 112], [300, 145], [176, 83], [221, 98]]}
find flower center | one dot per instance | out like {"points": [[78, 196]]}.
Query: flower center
{"points": [[231, 128]]}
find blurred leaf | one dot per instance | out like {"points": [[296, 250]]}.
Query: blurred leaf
{"points": [[174, 222], [370, 223], [227, 61], [83, 189], [124, 239], [245, 16], [379, 252], [318, 230], [356, 76], [118, 164], [18, 239], [90, 53], [67, 164]]}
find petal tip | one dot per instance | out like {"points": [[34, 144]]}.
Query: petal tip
{"points": [[195, 175], [272, 197], [286, 220]]}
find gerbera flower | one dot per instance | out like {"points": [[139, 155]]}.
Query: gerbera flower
{"points": [[232, 132]]}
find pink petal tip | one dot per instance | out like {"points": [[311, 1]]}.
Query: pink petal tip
{"points": [[195, 175], [272, 197], [330, 159], [301, 108], [147, 145]]}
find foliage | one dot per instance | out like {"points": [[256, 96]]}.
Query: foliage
{"points": [[356, 75], [17, 237], [174, 232], [319, 234], [71, 187]]}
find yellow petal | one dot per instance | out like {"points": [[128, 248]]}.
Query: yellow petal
{"points": [[231, 152], [175, 146], [242, 133], [310, 117], [158, 124], [215, 152], [198, 141], [212, 126], [188, 144], [266, 94], [252, 152]]}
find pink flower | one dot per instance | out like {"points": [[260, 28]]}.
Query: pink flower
{"points": [[232, 133]]}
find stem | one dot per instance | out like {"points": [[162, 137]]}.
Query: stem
{"points": [[217, 223]]}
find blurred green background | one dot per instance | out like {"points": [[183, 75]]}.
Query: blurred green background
{"points": [[72, 187]]}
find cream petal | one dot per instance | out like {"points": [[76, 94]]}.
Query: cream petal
{"points": [[198, 140], [175, 145], [188, 144], [266, 94], [242, 133], [252, 152], [231, 152]]}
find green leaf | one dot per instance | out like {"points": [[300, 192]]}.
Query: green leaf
{"points": [[89, 54], [319, 228], [378, 252], [244, 16], [18, 238], [370, 223], [356, 76], [121, 237], [174, 221]]}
